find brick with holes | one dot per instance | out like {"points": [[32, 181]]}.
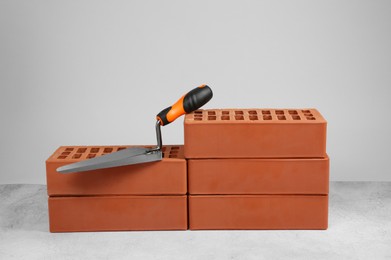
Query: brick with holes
{"points": [[255, 133], [167, 176]]}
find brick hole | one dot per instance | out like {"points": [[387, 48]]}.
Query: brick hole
{"points": [[296, 117], [211, 117], [292, 112], [198, 112], [305, 111], [281, 117], [308, 114], [225, 118], [94, 150], [62, 157], [65, 153], [173, 151], [310, 118], [81, 150], [108, 150], [225, 112], [238, 112], [279, 112], [267, 117], [76, 156], [173, 156], [175, 148], [266, 112], [164, 149], [69, 149], [91, 155], [252, 112], [211, 113], [239, 117], [119, 148], [198, 118], [198, 115], [253, 117]]}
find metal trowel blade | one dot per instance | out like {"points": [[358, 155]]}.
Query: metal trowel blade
{"points": [[127, 156]]}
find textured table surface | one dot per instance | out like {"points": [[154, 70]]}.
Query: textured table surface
{"points": [[359, 228]]}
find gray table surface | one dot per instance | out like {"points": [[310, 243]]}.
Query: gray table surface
{"points": [[359, 228]]}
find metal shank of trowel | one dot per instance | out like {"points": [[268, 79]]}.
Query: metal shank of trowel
{"points": [[158, 137]]}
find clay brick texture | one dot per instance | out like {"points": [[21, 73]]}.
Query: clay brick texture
{"points": [[258, 212], [117, 198], [115, 213], [255, 133], [259, 176], [165, 177]]}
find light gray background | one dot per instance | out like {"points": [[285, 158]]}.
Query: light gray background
{"points": [[97, 72]]}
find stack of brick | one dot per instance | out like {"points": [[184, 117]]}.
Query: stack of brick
{"points": [[244, 169], [135, 197], [257, 169]]}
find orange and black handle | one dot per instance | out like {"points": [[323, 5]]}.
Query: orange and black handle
{"points": [[193, 100]]}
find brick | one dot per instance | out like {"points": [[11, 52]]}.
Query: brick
{"points": [[164, 177], [255, 133], [113, 213], [258, 212], [259, 176]]}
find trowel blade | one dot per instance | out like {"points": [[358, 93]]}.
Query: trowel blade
{"points": [[127, 156]]}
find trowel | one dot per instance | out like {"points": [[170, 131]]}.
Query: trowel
{"points": [[189, 102]]}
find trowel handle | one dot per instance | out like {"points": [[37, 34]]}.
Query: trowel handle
{"points": [[193, 100]]}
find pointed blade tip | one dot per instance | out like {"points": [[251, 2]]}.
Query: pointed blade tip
{"points": [[63, 169]]}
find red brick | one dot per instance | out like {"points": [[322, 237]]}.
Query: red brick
{"points": [[111, 213], [164, 177], [258, 212], [255, 133], [259, 176]]}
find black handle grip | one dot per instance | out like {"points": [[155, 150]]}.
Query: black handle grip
{"points": [[193, 100]]}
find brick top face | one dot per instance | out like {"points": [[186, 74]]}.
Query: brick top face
{"points": [[255, 116], [79, 153]]}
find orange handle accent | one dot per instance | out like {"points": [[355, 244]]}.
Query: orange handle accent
{"points": [[176, 110], [186, 104]]}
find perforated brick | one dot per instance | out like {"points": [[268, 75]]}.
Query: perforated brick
{"points": [[255, 133], [167, 176], [270, 115], [79, 153]]}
